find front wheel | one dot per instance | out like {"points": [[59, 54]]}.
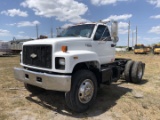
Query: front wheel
{"points": [[83, 91]]}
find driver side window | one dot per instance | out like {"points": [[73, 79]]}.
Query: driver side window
{"points": [[102, 32]]}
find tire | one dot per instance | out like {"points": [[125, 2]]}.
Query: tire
{"points": [[127, 71], [75, 98], [33, 89], [137, 72]]}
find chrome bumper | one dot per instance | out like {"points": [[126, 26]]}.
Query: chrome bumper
{"points": [[44, 80]]}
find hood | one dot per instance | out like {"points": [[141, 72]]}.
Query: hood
{"points": [[56, 40]]}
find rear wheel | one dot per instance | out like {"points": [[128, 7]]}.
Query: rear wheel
{"points": [[33, 89], [127, 71], [137, 72], [83, 91]]}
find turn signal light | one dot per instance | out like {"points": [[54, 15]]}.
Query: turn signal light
{"points": [[64, 48]]}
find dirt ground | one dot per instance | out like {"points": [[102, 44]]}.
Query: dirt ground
{"points": [[119, 101]]}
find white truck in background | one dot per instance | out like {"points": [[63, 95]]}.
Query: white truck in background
{"points": [[76, 62], [5, 48]]}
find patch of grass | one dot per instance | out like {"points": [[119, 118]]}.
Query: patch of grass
{"points": [[18, 103], [3, 116]]}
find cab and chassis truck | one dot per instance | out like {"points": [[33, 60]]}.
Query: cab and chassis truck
{"points": [[77, 62]]}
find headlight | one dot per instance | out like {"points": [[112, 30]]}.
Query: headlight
{"points": [[62, 61]]}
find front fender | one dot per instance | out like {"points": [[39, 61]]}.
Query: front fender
{"points": [[72, 58]]}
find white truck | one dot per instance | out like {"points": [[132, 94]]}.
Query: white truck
{"points": [[76, 62]]}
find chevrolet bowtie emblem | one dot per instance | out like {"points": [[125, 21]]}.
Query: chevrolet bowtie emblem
{"points": [[33, 55]]}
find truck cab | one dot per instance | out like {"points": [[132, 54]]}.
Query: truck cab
{"points": [[99, 39]]}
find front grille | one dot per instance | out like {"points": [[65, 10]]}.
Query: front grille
{"points": [[38, 55]]}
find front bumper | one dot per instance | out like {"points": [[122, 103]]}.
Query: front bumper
{"points": [[44, 80]]}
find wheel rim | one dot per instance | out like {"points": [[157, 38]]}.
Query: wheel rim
{"points": [[86, 91], [140, 72]]}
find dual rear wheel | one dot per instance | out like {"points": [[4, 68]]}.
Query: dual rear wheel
{"points": [[134, 71]]}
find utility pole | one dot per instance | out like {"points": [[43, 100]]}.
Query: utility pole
{"points": [[37, 30], [128, 32], [132, 39], [58, 30], [51, 28], [136, 34], [51, 32]]}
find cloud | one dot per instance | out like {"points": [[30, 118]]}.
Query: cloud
{"points": [[12, 24], [22, 37], [155, 29], [155, 17], [149, 40], [15, 12], [123, 27], [106, 2], [21, 32], [154, 2], [62, 10], [67, 25], [118, 17], [4, 32], [155, 39], [123, 31], [25, 24]]}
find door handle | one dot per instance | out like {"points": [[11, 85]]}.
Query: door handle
{"points": [[112, 45]]}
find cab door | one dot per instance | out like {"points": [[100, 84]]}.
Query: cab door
{"points": [[103, 45]]}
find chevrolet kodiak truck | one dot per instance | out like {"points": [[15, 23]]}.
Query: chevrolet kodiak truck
{"points": [[76, 62], [140, 49]]}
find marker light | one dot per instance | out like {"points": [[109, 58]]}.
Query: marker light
{"points": [[64, 48]]}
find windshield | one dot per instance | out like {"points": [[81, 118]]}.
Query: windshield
{"points": [[79, 30]]}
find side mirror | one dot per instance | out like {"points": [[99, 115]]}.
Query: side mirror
{"points": [[114, 31]]}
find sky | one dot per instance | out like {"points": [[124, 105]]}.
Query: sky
{"points": [[18, 18]]}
